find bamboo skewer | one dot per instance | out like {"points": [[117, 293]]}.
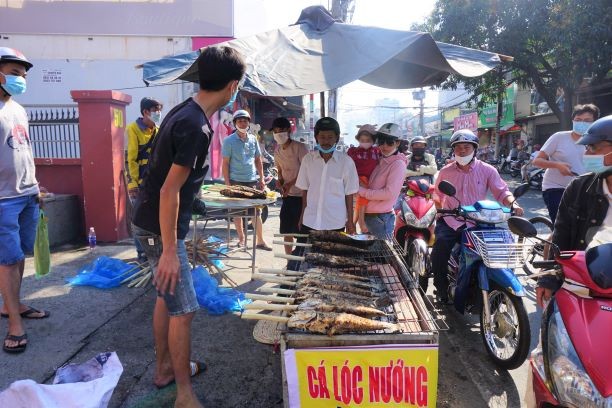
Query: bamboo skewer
{"points": [[290, 257], [280, 272], [291, 235], [297, 244], [273, 279], [268, 298], [279, 291], [268, 306], [260, 316]]}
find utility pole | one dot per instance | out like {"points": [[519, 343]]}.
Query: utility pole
{"points": [[342, 10], [420, 96]]}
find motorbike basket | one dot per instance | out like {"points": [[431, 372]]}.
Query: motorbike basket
{"points": [[498, 248]]}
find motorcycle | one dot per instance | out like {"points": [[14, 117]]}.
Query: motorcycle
{"points": [[515, 167], [572, 366], [413, 230], [482, 280], [535, 177]]}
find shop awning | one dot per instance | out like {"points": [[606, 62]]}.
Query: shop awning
{"points": [[318, 53]]}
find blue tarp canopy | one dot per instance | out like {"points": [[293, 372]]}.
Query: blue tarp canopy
{"points": [[318, 53]]}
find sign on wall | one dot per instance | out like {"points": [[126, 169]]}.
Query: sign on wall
{"points": [[468, 121], [52, 75]]}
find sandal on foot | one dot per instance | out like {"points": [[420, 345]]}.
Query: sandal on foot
{"points": [[196, 367], [19, 348], [31, 313], [263, 247]]}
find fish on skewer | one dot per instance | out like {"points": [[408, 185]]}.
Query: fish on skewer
{"points": [[331, 261], [316, 279], [319, 305], [335, 323], [307, 292], [336, 273], [337, 248], [340, 237]]}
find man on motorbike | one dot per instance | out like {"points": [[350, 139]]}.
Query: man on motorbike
{"points": [[472, 179], [528, 166], [421, 163], [584, 218]]}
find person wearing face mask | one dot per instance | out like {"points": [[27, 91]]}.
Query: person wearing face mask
{"points": [[385, 182], [421, 163], [19, 198], [472, 179], [562, 157], [328, 180], [140, 135], [243, 165], [163, 210], [366, 157], [288, 157], [584, 219]]}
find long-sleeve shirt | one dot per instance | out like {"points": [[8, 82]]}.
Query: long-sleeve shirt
{"points": [[428, 167], [138, 151], [471, 184], [385, 184]]}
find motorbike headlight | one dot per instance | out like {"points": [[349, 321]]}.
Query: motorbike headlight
{"points": [[496, 216], [572, 383], [412, 220]]}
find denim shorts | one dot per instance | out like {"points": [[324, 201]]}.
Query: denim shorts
{"points": [[18, 221], [380, 225], [184, 300]]}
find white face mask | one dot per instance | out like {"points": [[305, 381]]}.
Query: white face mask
{"points": [[464, 161], [156, 117], [595, 163], [390, 154], [242, 130], [281, 137], [365, 145]]}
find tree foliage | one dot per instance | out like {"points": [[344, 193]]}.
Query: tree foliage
{"points": [[556, 44]]}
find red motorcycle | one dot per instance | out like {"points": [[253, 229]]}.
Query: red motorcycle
{"points": [[572, 367], [414, 219]]}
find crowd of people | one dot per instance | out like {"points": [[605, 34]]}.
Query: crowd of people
{"points": [[322, 189]]}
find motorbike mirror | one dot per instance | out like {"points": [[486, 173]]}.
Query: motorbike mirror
{"points": [[521, 190], [522, 227], [447, 188]]}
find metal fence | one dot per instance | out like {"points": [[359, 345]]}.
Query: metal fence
{"points": [[54, 131]]}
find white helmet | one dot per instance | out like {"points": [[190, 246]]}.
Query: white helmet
{"points": [[241, 114]]}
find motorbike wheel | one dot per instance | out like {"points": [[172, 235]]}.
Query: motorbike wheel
{"points": [[536, 181], [507, 338], [505, 168], [418, 263], [515, 172], [544, 226]]}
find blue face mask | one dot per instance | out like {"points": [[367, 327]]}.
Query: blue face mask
{"points": [[327, 151], [231, 101], [580, 128], [15, 85], [595, 163]]}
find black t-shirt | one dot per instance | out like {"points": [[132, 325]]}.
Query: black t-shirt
{"points": [[182, 139]]}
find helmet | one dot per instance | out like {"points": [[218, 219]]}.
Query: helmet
{"points": [[464, 136], [241, 114], [389, 131], [327, 123], [599, 131], [12, 55], [418, 139], [369, 129]]}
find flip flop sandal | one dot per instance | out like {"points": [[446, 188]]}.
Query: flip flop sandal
{"points": [[30, 314], [19, 348], [197, 367], [263, 247]]}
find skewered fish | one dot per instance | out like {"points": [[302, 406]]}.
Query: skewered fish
{"points": [[333, 261], [308, 292], [314, 278], [242, 192], [343, 275], [340, 237], [339, 306], [335, 286], [335, 323], [337, 248]]}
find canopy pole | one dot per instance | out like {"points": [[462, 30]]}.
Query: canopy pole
{"points": [[322, 97]]}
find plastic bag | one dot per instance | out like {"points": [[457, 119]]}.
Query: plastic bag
{"points": [[214, 299], [89, 385], [42, 255], [103, 273]]}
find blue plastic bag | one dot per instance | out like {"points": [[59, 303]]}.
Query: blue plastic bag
{"points": [[103, 273], [214, 299]]}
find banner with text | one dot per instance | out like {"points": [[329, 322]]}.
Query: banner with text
{"points": [[364, 376], [467, 121]]}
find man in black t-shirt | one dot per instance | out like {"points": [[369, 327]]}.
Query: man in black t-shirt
{"points": [[163, 211]]}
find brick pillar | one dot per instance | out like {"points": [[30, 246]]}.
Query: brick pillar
{"points": [[102, 127]]}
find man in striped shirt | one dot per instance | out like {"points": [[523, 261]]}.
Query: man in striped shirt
{"points": [[473, 179]]}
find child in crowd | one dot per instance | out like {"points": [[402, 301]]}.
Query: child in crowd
{"points": [[366, 157]]}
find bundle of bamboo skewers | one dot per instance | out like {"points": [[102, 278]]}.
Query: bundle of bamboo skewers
{"points": [[141, 277]]}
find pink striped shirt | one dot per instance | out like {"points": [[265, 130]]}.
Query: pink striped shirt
{"points": [[471, 185]]}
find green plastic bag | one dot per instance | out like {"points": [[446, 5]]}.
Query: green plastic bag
{"points": [[42, 255]]}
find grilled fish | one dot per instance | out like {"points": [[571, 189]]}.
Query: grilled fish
{"points": [[343, 275], [335, 286], [333, 279], [333, 261], [309, 292], [335, 323], [340, 237], [337, 248], [339, 306]]}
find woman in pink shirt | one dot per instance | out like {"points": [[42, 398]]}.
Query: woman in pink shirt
{"points": [[385, 183]]}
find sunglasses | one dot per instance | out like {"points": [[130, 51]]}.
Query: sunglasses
{"points": [[592, 148], [388, 142]]}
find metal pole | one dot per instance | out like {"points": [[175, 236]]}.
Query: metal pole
{"points": [[422, 115], [322, 98]]}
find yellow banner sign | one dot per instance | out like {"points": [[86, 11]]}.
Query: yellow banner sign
{"points": [[372, 376]]}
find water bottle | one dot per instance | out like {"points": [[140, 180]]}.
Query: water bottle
{"points": [[92, 238]]}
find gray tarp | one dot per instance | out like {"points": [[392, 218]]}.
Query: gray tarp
{"points": [[318, 54]]}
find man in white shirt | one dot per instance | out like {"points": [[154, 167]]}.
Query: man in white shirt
{"points": [[329, 181]]}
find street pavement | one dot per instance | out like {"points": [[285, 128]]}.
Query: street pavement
{"points": [[241, 372]]}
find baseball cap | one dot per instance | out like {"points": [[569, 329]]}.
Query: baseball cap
{"points": [[282, 123], [327, 123]]}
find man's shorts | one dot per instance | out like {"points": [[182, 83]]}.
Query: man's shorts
{"points": [[18, 221], [184, 300], [290, 213]]}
